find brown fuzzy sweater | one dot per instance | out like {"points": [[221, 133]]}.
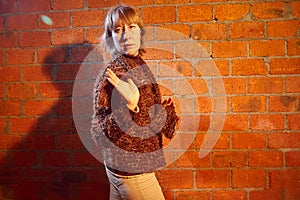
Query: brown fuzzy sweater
{"points": [[132, 142]]}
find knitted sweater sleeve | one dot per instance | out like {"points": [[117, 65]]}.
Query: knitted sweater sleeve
{"points": [[165, 115], [107, 112]]}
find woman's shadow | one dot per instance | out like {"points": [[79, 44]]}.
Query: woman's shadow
{"points": [[52, 161]]}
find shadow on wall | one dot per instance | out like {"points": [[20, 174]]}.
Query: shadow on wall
{"points": [[49, 161]]}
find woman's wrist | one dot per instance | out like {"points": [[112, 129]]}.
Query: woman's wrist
{"points": [[134, 108]]}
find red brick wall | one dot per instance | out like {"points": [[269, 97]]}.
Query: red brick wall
{"points": [[256, 47]]}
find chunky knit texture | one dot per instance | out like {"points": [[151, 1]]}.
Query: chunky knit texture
{"points": [[132, 141]]}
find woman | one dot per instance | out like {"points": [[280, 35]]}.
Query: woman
{"points": [[129, 117]]}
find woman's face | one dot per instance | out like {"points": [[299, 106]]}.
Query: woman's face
{"points": [[127, 38]]}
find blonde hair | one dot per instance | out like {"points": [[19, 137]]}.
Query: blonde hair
{"points": [[127, 15]]}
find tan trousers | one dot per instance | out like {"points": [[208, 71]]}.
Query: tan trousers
{"points": [[137, 187]]}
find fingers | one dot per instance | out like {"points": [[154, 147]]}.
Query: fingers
{"points": [[112, 77], [167, 102]]}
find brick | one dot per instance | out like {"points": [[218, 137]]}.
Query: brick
{"points": [[10, 74], [223, 141], [271, 10], [80, 54], [40, 142], [194, 13], [190, 87], [93, 35], [42, 174], [10, 108], [63, 37], [201, 1], [101, 4], [293, 47], [3, 126], [56, 159], [67, 5], [267, 48], [74, 176], [229, 49], [265, 159], [69, 72], [38, 107], [284, 140], [2, 91], [1, 58], [10, 142], [248, 178], [172, 1], [24, 159], [176, 179], [34, 6], [265, 85], [291, 194], [4, 160], [158, 52], [69, 141], [174, 69], [213, 179], [285, 66], [53, 55], [244, 67], [229, 159], [172, 32], [267, 122], [155, 15], [137, 3], [292, 158], [202, 105], [248, 141], [248, 103], [87, 18], [37, 73], [229, 195], [232, 86], [55, 90], [266, 195], [190, 159], [59, 20], [292, 84], [222, 66], [23, 125], [191, 49], [199, 123], [55, 124], [20, 56], [293, 122], [2, 24], [283, 28], [22, 22], [64, 107], [85, 159], [231, 11], [9, 39], [193, 195], [8, 7], [295, 9], [284, 179], [21, 91], [243, 30], [209, 32], [284, 103]]}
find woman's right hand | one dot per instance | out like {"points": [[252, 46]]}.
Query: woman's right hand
{"points": [[127, 89]]}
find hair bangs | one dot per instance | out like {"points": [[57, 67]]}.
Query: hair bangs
{"points": [[125, 15]]}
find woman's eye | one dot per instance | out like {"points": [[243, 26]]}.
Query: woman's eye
{"points": [[118, 30], [132, 26]]}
